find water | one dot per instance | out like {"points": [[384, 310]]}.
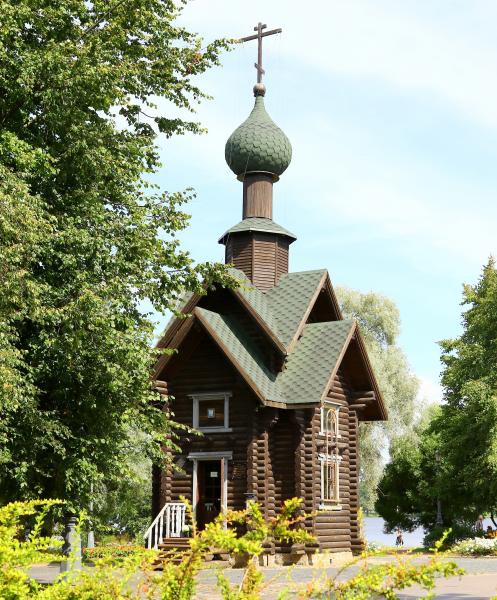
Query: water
{"points": [[373, 530]]}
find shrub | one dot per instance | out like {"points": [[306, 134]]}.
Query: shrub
{"points": [[384, 580], [115, 552], [477, 546], [133, 576], [457, 532], [16, 554]]}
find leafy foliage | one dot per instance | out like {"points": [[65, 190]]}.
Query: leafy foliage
{"points": [[411, 483], [122, 508], [16, 553], [132, 576], [114, 552], [467, 425], [384, 580], [380, 324], [462, 432], [477, 546], [85, 241], [112, 575]]}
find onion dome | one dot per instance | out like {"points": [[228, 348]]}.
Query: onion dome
{"points": [[258, 145]]}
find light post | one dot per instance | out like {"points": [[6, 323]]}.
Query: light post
{"points": [[439, 519], [91, 536]]}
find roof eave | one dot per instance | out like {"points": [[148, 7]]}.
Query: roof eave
{"points": [[350, 335], [222, 240], [212, 333], [261, 322], [374, 383]]}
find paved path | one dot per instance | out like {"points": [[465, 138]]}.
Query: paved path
{"points": [[480, 583]]}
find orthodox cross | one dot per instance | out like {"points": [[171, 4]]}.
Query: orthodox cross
{"points": [[258, 36]]}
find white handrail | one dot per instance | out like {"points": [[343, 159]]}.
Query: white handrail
{"points": [[174, 515]]}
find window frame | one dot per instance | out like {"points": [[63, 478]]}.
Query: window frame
{"points": [[330, 458], [325, 462], [327, 405], [206, 397]]}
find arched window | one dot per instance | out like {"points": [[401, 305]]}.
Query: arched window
{"points": [[330, 459]]}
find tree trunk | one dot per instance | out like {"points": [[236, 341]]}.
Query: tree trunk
{"points": [[493, 520]]}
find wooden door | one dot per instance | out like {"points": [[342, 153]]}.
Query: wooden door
{"points": [[210, 481]]}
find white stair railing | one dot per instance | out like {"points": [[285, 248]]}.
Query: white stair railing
{"points": [[173, 516]]}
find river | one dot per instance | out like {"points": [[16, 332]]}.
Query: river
{"points": [[373, 531]]}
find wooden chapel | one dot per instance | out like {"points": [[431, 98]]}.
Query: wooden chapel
{"points": [[270, 373]]}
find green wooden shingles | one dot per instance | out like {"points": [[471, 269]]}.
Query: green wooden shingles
{"points": [[309, 362], [307, 370]]}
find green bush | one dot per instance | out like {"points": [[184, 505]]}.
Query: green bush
{"points": [[476, 546], [115, 552], [383, 580], [457, 532], [16, 554], [126, 573]]}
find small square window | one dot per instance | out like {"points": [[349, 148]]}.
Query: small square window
{"points": [[211, 412]]}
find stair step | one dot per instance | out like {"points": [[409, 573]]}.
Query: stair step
{"points": [[174, 543], [173, 550]]}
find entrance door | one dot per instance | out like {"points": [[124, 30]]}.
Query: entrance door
{"points": [[209, 478]]}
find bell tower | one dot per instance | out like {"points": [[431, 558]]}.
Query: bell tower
{"points": [[258, 152]]}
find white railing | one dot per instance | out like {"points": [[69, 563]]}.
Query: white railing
{"points": [[171, 518]]}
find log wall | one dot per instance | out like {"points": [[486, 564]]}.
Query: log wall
{"points": [[208, 371], [275, 451], [333, 528], [263, 257]]}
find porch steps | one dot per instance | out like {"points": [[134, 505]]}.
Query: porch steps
{"points": [[173, 549]]}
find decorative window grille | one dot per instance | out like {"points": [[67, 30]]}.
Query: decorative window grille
{"points": [[330, 458]]}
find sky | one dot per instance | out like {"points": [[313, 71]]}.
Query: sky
{"points": [[391, 109]]}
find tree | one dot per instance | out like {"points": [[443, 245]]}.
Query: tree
{"points": [[462, 432], [379, 319], [412, 481], [85, 241], [468, 423], [123, 507]]}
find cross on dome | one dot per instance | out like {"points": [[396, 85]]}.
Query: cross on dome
{"points": [[258, 36]]}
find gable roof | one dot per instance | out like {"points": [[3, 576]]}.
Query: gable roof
{"points": [[281, 312], [291, 301], [312, 351], [307, 374]]}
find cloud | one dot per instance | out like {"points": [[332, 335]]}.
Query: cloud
{"points": [[443, 51], [444, 48]]}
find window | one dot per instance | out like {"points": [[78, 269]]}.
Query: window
{"points": [[330, 458], [329, 420], [211, 412], [330, 485]]}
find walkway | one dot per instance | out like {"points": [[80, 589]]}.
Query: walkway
{"points": [[480, 583]]}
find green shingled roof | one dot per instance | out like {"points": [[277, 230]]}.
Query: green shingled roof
{"points": [[258, 145], [257, 224], [314, 359], [257, 300], [241, 351], [283, 307], [290, 299], [308, 370]]}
